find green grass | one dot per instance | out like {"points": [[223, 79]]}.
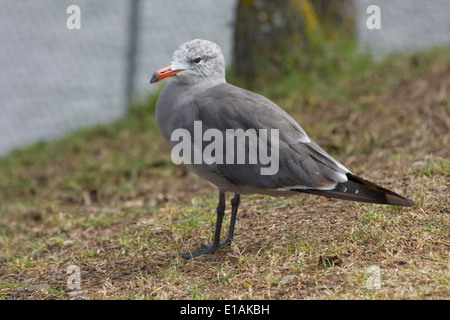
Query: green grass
{"points": [[429, 167], [105, 155]]}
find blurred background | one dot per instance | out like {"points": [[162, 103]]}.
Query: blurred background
{"points": [[54, 80], [86, 178]]}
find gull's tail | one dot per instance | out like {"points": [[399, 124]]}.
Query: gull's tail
{"points": [[357, 189]]}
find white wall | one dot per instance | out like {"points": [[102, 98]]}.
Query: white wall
{"points": [[405, 25], [53, 80]]}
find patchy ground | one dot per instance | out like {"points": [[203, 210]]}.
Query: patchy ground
{"points": [[125, 218]]}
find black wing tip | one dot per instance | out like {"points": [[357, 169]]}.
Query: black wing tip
{"points": [[358, 189], [390, 196], [400, 201]]}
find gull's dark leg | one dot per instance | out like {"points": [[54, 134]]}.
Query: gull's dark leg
{"points": [[234, 209], [216, 244]]}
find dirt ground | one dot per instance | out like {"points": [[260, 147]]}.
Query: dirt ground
{"points": [[290, 248]]}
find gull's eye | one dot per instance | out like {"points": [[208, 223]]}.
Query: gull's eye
{"points": [[197, 60]]}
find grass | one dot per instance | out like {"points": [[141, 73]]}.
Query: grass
{"points": [[109, 200], [429, 167]]}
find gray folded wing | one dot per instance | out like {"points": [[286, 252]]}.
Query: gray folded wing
{"points": [[302, 163]]}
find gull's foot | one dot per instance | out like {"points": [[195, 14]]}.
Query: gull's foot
{"points": [[209, 248]]}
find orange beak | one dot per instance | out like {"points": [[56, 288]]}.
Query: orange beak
{"points": [[163, 73]]}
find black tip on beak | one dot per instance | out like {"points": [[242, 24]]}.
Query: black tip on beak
{"points": [[163, 73], [154, 78]]}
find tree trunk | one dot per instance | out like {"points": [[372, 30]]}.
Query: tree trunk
{"points": [[266, 30]]}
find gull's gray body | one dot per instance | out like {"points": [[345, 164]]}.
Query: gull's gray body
{"points": [[303, 164], [199, 92]]}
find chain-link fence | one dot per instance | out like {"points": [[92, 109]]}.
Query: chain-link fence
{"points": [[54, 79]]}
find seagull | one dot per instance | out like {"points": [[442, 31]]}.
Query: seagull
{"points": [[199, 101]]}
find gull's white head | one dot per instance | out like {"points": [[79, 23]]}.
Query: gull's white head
{"points": [[194, 61]]}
